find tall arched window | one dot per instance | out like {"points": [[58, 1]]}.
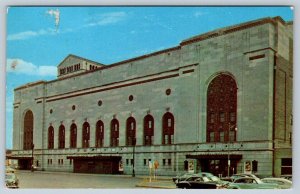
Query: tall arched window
{"points": [[85, 135], [61, 137], [148, 130], [73, 136], [130, 132], [99, 134], [50, 137], [221, 109], [28, 130], [168, 128], [114, 133]]}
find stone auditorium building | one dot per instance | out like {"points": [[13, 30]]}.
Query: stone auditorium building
{"points": [[218, 102]]}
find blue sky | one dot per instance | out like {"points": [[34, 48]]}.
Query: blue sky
{"points": [[36, 45]]}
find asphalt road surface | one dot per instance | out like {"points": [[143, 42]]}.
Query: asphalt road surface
{"points": [[60, 180]]}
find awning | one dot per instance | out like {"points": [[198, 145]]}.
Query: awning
{"points": [[215, 156], [95, 157], [19, 157]]}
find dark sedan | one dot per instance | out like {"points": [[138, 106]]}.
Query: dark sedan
{"points": [[196, 182]]}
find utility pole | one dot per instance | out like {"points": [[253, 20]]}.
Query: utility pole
{"points": [[32, 148], [133, 156]]}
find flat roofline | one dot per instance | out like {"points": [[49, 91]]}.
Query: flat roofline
{"points": [[30, 84], [211, 34], [233, 28]]}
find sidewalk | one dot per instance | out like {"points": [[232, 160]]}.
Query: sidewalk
{"points": [[158, 183]]}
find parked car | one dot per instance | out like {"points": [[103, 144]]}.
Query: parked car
{"points": [[196, 182], [182, 177], [251, 183], [10, 169], [281, 182], [11, 180], [287, 176], [241, 175]]}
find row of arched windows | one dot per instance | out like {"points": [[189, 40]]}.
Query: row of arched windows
{"points": [[167, 133]]}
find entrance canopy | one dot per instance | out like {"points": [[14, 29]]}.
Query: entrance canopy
{"points": [[215, 156], [117, 158], [19, 157]]}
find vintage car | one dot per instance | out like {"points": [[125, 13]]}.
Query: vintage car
{"points": [[251, 183], [196, 182], [281, 182], [9, 169], [11, 180], [182, 177]]}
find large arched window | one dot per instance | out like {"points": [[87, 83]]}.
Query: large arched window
{"points": [[99, 134], [28, 130], [73, 136], [221, 109], [61, 137], [130, 131], [85, 135], [50, 137], [114, 133], [168, 128], [148, 130]]}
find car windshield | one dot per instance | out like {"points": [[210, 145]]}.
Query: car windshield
{"points": [[205, 179], [214, 178]]}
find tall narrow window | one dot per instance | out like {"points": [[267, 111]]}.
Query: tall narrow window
{"points": [[86, 135], [61, 138], [73, 136], [221, 109], [130, 131], [50, 137], [99, 134], [168, 128], [28, 130], [148, 130], [114, 133]]}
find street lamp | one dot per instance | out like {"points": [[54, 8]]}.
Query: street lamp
{"points": [[133, 153], [228, 158]]}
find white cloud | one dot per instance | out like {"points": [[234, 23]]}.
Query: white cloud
{"points": [[55, 14], [20, 66], [106, 18], [30, 34], [100, 20]]}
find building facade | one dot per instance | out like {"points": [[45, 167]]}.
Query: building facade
{"points": [[219, 102]]}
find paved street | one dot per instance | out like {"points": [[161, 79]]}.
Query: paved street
{"points": [[40, 179]]}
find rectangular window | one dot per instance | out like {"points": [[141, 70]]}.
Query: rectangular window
{"points": [[222, 136], [231, 135], [222, 117], [145, 162], [131, 161], [150, 124], [212, 117], [166, 139], [169, 162], [71, 161], [212, 136], [127, 162], [62, 161], [232, 116], [169, 122], [58, 161], [164, 162]]}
